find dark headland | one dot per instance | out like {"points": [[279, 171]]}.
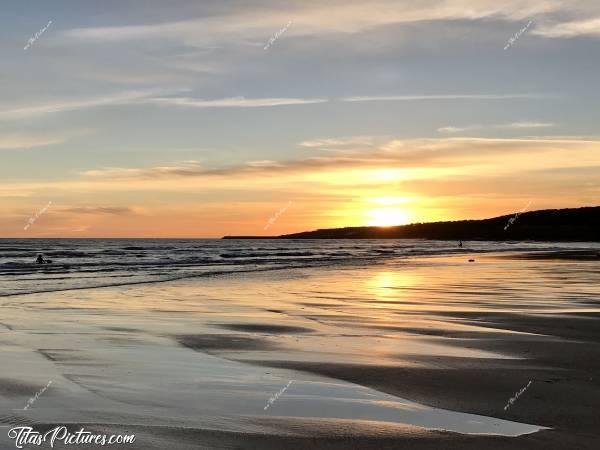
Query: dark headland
{"points": [[571, 224]]}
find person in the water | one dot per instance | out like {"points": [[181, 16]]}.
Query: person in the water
{"points": [[40, 260], [460, 243]]}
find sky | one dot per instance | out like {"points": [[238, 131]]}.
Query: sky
{"points": [[145, 118]]}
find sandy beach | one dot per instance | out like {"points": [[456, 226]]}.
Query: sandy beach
{"points": [[421, 353]]}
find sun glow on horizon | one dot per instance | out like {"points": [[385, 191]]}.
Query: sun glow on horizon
{"points": [[387, 217]]}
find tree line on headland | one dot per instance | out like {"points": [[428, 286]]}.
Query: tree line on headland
{"points": [[571, 224]]}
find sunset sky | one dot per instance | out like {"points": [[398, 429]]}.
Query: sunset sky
{"points": [[146, 118]]}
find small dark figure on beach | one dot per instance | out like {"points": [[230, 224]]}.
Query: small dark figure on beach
{"points": [[460, 243]]}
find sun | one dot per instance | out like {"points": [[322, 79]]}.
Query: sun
{"points": [[386, 217]]}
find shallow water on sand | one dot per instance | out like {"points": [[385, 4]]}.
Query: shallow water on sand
{"points": [[208, 353]]}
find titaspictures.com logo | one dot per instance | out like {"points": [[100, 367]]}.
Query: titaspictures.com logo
{"points": [[28, 436]]}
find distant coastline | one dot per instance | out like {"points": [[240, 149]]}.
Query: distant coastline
{"points": [[561, 225]]}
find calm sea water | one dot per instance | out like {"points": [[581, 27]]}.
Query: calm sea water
{"points": [[85, 263]]}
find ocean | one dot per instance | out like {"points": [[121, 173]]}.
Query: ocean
{"points": [[88, 263]]}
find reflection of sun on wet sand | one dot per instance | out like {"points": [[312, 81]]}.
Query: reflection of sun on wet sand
{"points": [[382, 356]]}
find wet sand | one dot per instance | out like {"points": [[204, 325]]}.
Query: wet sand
{"points": [[191, 364]]}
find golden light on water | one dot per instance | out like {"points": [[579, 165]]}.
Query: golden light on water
{"points": [[391, 285]]}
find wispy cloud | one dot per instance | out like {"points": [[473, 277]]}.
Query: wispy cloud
{"points": [[264, 163], [23, 141], [339, 142], [528, 125], [112, 210], [65, 105], [388, 98], [313, 18], [150, 97], [179, 169], [452, 130], [590, 27], [235, 102], [410, 153], [514, 125]]}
